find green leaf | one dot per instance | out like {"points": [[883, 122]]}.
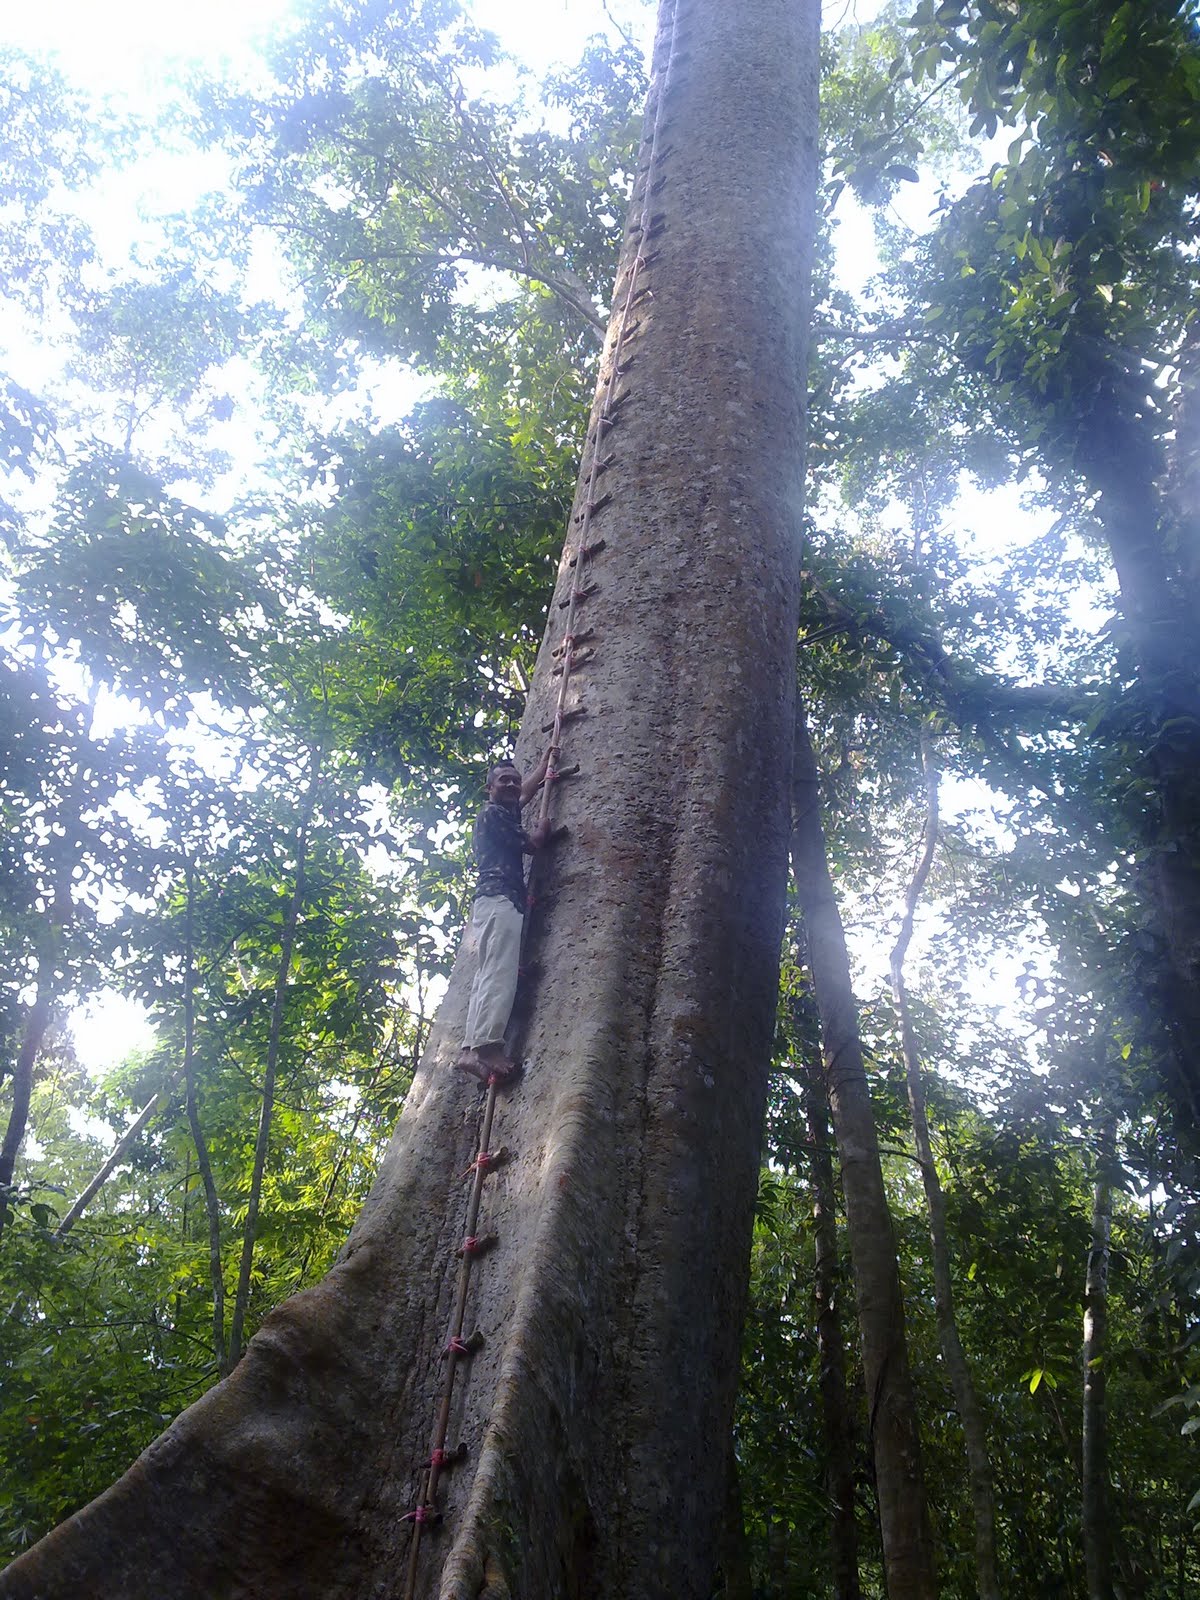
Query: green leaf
{"points": [[1118, 28]]}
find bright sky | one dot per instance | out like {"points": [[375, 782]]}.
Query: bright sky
{"points": [[124, 45]]}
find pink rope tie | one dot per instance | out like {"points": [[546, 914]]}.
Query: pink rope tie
{"points": [[470, 1244], [420, 1514], [455, 1346]]}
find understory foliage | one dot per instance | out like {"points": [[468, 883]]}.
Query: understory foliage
{"points": [[265, 626]]}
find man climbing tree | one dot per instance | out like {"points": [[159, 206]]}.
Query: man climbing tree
{"points": [[594, 1410], [499, 915]]}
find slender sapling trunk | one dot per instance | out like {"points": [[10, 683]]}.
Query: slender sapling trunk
{"points": [[962, 1384], [891, 1400]]}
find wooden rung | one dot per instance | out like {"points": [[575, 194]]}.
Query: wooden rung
{"points": [[579, 659], [588, 551], [567, 716], [579, 638]]}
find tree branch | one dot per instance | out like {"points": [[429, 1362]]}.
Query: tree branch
{"points": [[959, 691]]}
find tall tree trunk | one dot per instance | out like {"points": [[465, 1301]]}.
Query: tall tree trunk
{"points": [[610, 1305], [212, 1205], [37, 1020], [1160, 599], [287, 941], [895, 1440], [1097, 1543], [836, 1427], [49, 946], [962, 1384]]}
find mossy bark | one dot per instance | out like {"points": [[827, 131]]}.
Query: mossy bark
{"points": [[597, 1411]]}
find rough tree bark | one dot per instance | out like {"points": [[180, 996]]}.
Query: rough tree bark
{"points": [[895, 1440], [597, 1409], [737, 1580], [962, 1384]]}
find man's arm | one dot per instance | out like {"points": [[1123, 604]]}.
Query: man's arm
{"points": [[535, 840], [531, 784]]}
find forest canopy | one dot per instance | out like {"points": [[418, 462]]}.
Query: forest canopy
{"points": [[287, 453]]}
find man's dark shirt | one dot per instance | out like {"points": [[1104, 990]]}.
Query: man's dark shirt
{"points": [[500, 846]]}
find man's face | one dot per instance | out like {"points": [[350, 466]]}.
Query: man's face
{"points": [[505, 786]]}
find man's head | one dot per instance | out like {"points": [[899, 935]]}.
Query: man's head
{"points": [[504, 784]]}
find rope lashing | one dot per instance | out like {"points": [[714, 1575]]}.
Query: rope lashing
{"points": [[570, 657], [486, 1161], [475, 1244]]}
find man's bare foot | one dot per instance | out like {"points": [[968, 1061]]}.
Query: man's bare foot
{"points": [[488, 1062], [468, 1061], [496, 1064]]}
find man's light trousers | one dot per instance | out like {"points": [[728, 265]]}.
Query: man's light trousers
{"points": [[496, 929]]}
